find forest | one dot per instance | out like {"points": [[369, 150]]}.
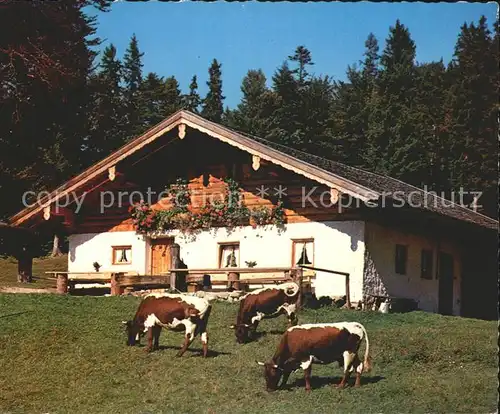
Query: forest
{"points": [[65, 106]]}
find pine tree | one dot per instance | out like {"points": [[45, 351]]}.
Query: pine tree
{"points": [[302, 57], [286, 127], [213, 103], [109, 127], [173, 101], [396, 148], [45, 96], [153, 100], [353, 108], [253, 114], [132, 76], [192, 100], [472, 111]]}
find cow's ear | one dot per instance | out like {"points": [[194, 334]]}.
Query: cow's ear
{"points": [[260, 363]]}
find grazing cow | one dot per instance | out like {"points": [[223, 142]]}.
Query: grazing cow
{"points": [[263, 304], [171, 311], [303, 345]]}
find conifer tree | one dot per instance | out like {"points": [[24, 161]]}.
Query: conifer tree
{"points": [[173, 101], [109, 123], [213, 103], [395, 145], [302, 57], [153, 100], [192, 100], [132, 76], [253, 114], [472, 111]]}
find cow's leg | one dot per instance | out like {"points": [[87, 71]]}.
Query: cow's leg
{"points": [[156, 337], [149, 346], [348, 361], [307, 367], [358, 367], [203, 330], [188, 337], [255, 323], [204, 342], [307, 378]]}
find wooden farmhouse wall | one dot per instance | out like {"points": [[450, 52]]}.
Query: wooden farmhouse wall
{"points": [[304, 199]]}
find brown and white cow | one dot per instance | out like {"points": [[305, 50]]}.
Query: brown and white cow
{"points": [[265, 303], [304, 345], [171, 311]]}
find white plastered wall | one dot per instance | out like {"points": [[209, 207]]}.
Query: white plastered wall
{"points": [[381, 242], [338, 245]]}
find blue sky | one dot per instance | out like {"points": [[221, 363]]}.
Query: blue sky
{"points": [[181, 39]]}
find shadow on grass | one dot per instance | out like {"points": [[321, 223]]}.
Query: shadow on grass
{"points": [[196, 352], [95, 291], [260, 334], [14, 314], [320, 382]]}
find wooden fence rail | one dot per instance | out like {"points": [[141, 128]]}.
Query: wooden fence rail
{"points": [[121, 282]]}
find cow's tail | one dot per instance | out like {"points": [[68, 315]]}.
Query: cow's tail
{"points": [[367, 363]]}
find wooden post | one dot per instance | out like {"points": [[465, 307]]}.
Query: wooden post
{"points": [[347, 292], [116, 289], [24, 266], [175, 260], [62, 283], [297, 277], [233, 280]]}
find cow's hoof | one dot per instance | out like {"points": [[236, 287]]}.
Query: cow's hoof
{"points": [[178, 354], [308, 390]]}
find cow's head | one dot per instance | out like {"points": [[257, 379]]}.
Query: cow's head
{"points": [[242, 332], [272, 374], [134, 332]]}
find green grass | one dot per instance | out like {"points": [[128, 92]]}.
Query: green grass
{"points": [[68, 354], [8, 271]]}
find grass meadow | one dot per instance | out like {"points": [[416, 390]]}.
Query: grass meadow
{"points": [[61, 354]]}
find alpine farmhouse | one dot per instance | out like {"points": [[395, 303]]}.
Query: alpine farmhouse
{"points": [[304, 210]]}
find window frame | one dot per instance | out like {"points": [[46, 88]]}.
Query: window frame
{"points": [[220, 251], [397, 265], [302, 241], [114, 250]]}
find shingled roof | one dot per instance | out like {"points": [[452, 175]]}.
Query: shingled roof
{"points": [[388, 186]]}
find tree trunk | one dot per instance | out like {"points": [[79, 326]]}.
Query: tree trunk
{"points": [[56, 250]]}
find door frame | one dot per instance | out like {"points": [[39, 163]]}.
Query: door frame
{"points": [[151, 243], [446, 285]]}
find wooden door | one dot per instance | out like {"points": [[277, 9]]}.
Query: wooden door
{"points": [[445, 284], [160, 256]]}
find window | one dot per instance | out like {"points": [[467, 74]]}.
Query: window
{"points": [[426, 264], [229, 255], [303, 252], [401, 258], [122, 255]]}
